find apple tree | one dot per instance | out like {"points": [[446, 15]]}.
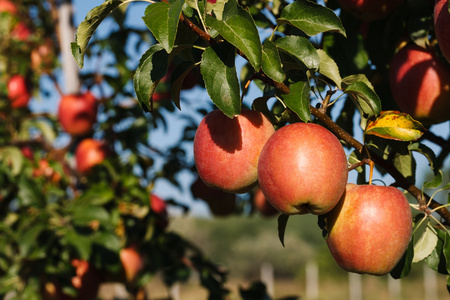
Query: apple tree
{"points": [[369, 78]]}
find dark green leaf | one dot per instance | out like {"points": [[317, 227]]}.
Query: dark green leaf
{"points": [[282, 222], [365, 99], [403, 267], [437, 259], [151, 69], [298, 99], [83, 215], [28, 238], [271, 63], [301, 48], [29, 193], [221, 82], [108, 240], [329, 68], [162, 20], [311, 18], [424, 150], [238, 28], [87, 28], [82, 243]]}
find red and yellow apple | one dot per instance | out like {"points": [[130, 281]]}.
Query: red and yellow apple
{"points": [[441, 20], [303, 169], [132, 262], [18, 92], [369, 10], [420, 84], [78, 113], [226, 150], [220, 203], [369, 229], [262, 205], [88, 154]]}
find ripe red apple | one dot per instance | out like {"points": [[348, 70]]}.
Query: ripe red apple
{"points": [[442, 26], [369, 229], [226, 150], [220, 203], [132, 262], [21, 32], [159, 207], [262, 205], [303, 169], [369, 10], [18, 92], [8, 6], [78, 113], [89, 153], [420, 84]]}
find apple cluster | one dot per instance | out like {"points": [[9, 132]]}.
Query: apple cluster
{"points": [[298, 169]]}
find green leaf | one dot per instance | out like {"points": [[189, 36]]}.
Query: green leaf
{"points": [[28, 238], [219, 73], [425, 245], [437, 260], [87, 28], [403, 267], [424, 150], [329, 68], [83, 215], [162, 20], [298, 99], [301, 48], [107, 240], [435, 182], [238, 28], [365, 99], [282, 222], [29, 193], [12, 158], [151, 69], [406, 165], [311, 18], [395, 125], [271, 63], [82, 243], [98, 194]]}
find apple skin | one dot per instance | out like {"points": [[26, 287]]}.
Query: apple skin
{"points": [[369, 10], [303, 169], [220, 203], [18, 92], [369, 229], [441, 19], [226, 150], [78, 113], [89, 153], [262, 205], [420, 84], [132, 262]]}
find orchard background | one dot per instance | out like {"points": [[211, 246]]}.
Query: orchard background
{"points": [[133, 88]]}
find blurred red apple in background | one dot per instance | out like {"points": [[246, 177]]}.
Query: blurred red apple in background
{"points": [[262, 205], [441, 20], [18, 92], [78, 113], [420, 84], [89, 153], [159, 207], [8, 6], [369, 229], [132, 262], [369, 10], [220, 203], [303, 169], [226, 150]]}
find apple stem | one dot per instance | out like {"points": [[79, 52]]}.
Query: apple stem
{"points": [[371, 164]]}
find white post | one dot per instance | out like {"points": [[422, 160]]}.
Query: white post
{"points": [[395, 288], [430, 283], [267, 277], [66, 36], [355, 286], [312, 280], [174, 291]]}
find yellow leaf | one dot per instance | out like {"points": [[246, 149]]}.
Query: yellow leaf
{"points": [[395, 125]]}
